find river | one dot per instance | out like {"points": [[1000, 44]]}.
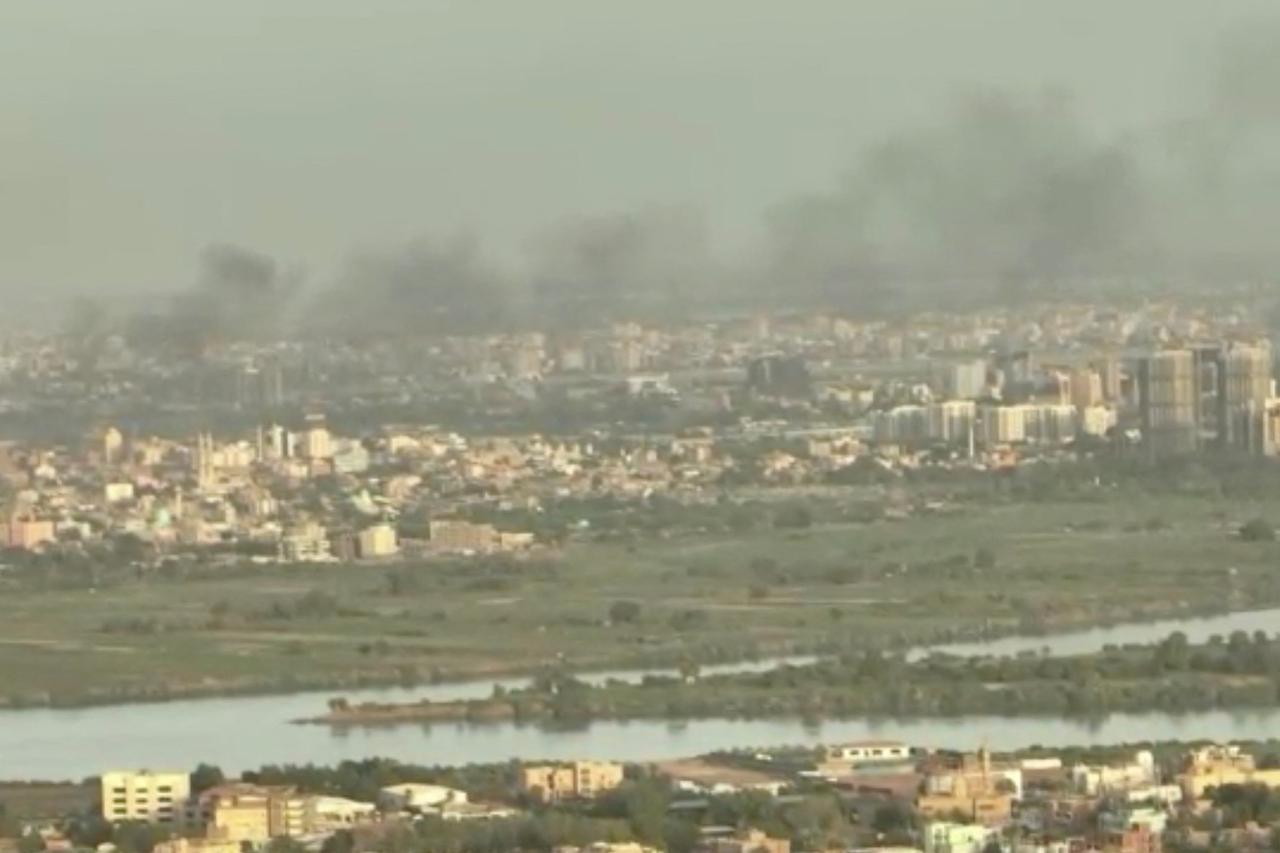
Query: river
{"points": [[245, 732]]}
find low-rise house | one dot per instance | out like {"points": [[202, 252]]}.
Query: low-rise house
{"points": [[412, 796], [949, 837], [330, 814]]}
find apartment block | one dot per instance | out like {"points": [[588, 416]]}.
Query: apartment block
{"points": [[144, 795]]}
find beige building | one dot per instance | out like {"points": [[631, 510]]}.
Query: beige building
{"points": [[28, 534], [576, 780], [1215, 766], [144, 796], [253, 813], [461, 537], [378, 541], [973, 787]]}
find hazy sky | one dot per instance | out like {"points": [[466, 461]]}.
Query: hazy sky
{"points": [[135, 132]]}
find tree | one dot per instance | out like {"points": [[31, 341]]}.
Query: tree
{"points": [[624, 612], [1257, 530], [889, 818], [206, 776]]}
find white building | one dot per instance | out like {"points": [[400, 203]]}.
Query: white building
{"points": [[945, 837], [330, 814], [412, 796], [870, 752]]}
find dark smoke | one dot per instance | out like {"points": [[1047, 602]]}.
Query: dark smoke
{"points": [[649, 263], [1004, 189], [239, 294], [425, 287]]}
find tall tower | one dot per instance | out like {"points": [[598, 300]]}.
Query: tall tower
{"points": [[1168, 401], [1243, 389]]}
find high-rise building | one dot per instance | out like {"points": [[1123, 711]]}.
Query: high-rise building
{"points": [[951, 421], [1003, 424], [965, 380], [1111, 377], [1168, 401], [1244, 386], [1086, 388], [901, 425]]}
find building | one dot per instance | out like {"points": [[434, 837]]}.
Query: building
{"points": [[575, 780], [1050, 424], [901, 425], [869, 752], [1097, 421], [1215, 766], [462, 537], [418, 797], [1086, 388], [1244, 386], [1003, 425], [947, 837], [780, 376], [144, 795], [305, 543], [951, 422], [966, 380], [1113, 779], [114, 493], [1168, 401], [244, 812], [971, 786], [1135, 839], [749, 841], [28, 534], [378, 541], [330, 814]]}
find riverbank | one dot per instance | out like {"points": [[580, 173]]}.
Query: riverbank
{"points": [[1031, 569]]}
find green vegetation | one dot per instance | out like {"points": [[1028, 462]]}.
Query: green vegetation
{"points": [[1240, 671], [741, 587]]}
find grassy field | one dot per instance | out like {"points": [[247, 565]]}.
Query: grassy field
{"points": [[763, 592]]}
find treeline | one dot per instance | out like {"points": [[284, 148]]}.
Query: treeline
{"points": [[1237, 671]]}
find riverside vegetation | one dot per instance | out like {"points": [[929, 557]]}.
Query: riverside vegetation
{"points": [[1241, 670], [865, 565]]}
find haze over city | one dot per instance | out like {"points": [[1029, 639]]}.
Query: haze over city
{"points": [[826, 149], [728, 426]]}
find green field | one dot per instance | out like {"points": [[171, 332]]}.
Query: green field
{"points": [[1046, 565]]}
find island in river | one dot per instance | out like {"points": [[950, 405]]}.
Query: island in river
{"points": [[1242, 670]]}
